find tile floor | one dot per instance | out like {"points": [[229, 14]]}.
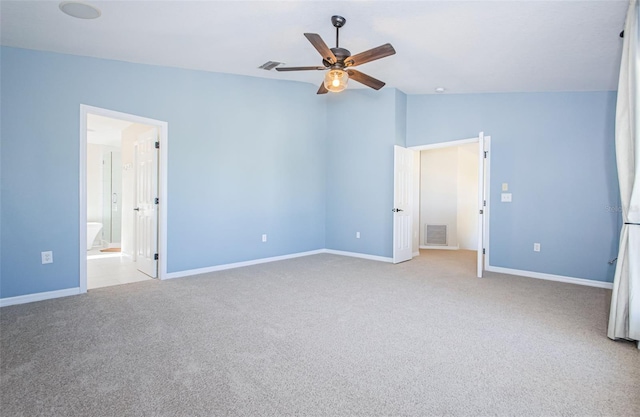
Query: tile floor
{"points": [[111, 268]]}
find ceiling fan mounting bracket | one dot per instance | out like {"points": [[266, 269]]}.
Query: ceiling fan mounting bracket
{"points": [[338, 21]]}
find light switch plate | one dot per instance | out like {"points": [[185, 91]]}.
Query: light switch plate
{"points": [[505, 186]]}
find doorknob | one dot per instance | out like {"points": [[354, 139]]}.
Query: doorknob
{"points": [[396, 210], [136, 209]]}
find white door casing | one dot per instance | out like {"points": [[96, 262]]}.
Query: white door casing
{"points": [[146, 206], [402, 204], [481, 204]]}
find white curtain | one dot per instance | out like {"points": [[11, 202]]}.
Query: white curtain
{"points": [[624, 318]]}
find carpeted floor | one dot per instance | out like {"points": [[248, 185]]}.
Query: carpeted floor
{"points": [[322, 335]]}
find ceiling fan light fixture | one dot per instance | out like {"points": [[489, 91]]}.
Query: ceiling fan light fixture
{"points": [[336, 80]]}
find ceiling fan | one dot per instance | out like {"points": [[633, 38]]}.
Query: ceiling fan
{"points": [[339, 62]]}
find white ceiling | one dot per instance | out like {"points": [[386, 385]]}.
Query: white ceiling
{"points": [[464, 46], [105, 130]]}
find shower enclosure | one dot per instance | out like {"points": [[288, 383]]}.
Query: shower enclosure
{"points": [[112, 198]]}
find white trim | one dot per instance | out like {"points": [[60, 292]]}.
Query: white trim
{"points": [[440, 247], [359, 255], [443, 144], [82, 213], [223, 267], [550, 277], [40, 296], [22, 299], [487, 196], [163, 138], [416, 254]]}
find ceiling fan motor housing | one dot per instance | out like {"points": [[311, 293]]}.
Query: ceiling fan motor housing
{"points": [[341, 54]]}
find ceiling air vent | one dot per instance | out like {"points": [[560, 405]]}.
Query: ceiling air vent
{"points": [[269, 65]]}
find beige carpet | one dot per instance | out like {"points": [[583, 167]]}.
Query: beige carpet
{"points": [[321, 336]]}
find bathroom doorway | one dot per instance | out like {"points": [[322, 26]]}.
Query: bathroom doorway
{"points": [[123, 234]]}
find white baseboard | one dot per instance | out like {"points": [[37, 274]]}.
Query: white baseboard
{"points": [[416, 253], [205, 270], [22, 299], [198, 271], [440, 247], [550, 277], [359, 255], [29, 298]]}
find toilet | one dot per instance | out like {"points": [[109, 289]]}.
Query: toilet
{"points": [[93, 228]]}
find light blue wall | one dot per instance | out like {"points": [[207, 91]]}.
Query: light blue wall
{"points": [[246, 157], [250, 156], [401, 118], [362, 130], [556, 152]]}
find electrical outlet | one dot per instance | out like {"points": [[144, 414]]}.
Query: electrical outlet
{"points": [[505, 197], [47, 257], [536, 247], [357, 235], [264, 238]]}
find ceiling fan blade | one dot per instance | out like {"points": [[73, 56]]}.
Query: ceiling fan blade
{"points": [[365, 79], [370, 55], [300, 68], [321, 47], [322, 89]]}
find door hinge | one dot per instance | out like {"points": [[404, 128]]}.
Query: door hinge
{"points": [[155, 257], [485, 153], [484, 251], [158, 147], [484, 203], [157, 200]]}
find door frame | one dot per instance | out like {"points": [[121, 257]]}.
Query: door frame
{"points": [[163, 138], [486, 242]]}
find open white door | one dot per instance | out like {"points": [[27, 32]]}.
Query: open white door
{"points": [[402, 204], [146, 202], [481, 203]]}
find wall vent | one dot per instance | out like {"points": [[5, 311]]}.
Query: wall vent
{"points": [[435, 234]]}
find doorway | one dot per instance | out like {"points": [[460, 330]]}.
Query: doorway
{"points": [[437, 219], [448, 198], [123, 198]]}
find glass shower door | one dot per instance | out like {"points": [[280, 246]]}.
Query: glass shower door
{"points": [[112, 198]]}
